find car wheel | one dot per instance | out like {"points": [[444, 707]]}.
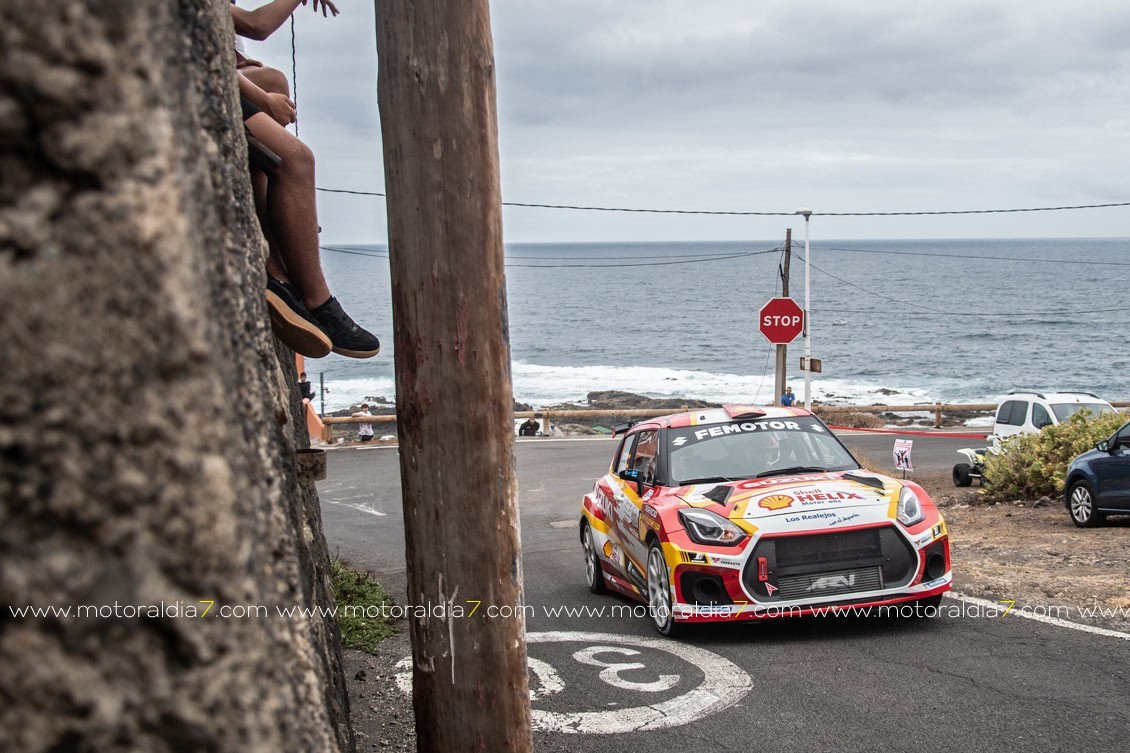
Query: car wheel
{"points": [[594, 574], [1081, 505], [961, 475], [659, 599]]}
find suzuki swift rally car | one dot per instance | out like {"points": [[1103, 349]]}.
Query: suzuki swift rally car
{"points": [[743, 513]]}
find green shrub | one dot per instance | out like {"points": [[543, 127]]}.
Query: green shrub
{"points": [[354, 588], [1035, 465]]}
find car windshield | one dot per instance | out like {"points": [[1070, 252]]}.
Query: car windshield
{"points": [[1064, 411], [748, 449]]}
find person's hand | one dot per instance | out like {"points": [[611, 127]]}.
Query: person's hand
{"points": [[326, 6], [281, 108]]}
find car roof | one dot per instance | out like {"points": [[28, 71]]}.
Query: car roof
{"points": [[1060, 397], [725, 414]]}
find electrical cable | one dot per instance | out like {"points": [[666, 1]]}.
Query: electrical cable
{"points": [[695, 260], [977, 257], [716, 212]]}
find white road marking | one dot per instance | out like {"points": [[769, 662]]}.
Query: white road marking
{"points": [[611, 672], [362, 508], [1048, 619], [723, 685]]}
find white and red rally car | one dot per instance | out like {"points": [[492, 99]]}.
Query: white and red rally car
{"points": [[744, 512]]}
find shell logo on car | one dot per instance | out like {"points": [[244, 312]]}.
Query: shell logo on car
{"points": [[776, 502], [756, 513]]}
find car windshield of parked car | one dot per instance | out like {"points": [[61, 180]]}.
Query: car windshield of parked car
{"points": [[1064, 411], [748, 449]]}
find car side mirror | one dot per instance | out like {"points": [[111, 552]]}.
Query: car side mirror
{"points": [[633, 475], [1103, 446]]}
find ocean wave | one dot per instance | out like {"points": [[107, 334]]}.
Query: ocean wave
{"points": [[542, 385]]}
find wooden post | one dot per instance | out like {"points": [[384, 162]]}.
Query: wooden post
{"points": [[937, 415], [545, 424], [783, 350], [436, 92]]}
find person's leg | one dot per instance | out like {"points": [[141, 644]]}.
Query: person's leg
{"points": [[290, 211], [292, 228], [268, 79]]}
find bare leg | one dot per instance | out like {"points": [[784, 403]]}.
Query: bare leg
{"points": [[268, 79], [291, 213]]}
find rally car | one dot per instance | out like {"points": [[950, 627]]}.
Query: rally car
{"points": [[745, 512]]}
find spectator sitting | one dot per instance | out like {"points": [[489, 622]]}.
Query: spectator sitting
{"points": [[305, 389], [529, 428], [304, 314]]}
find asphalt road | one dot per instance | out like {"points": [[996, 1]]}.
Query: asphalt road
{"points": [[950, 683]]}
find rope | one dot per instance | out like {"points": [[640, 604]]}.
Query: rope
{"points": [[294, 73]]}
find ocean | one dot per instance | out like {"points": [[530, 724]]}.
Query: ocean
{"points": [[957, 321]]}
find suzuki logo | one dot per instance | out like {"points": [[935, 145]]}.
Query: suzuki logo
{"points": [[832, 581], [679, 441]]}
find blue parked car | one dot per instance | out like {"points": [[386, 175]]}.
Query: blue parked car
{"points": [[1098, 481]]}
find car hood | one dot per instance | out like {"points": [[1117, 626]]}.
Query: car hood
{"points": [[1087, 457], [814, 497]]}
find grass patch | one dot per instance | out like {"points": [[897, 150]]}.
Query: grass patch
{"points": [[370, 625]]}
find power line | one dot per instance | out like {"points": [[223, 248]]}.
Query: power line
{"points": [[644, 264], [640, 210], [695, 259], [974, 256]]}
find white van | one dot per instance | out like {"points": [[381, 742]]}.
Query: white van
{"points": [[1028, 412]]}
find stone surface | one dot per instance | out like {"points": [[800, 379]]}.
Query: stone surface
{"points": [[146, 432]]}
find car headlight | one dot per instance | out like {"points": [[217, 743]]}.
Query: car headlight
{"points": [[910, 507], [705, 527]]}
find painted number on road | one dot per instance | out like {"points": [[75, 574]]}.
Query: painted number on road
{"points": [[624, 666]]}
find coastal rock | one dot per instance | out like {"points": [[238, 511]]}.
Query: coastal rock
{"points": [[618, 400]]}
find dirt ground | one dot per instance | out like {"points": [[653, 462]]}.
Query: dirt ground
{"points": [[1025, 552], [1031, 553]]}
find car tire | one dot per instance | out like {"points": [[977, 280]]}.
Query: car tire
{"points": [[961, 475], [594, 573], [1081, 505], [659, 598]]}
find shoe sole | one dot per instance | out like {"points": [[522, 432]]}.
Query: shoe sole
{"points": [[301, 336], [356, 353]]}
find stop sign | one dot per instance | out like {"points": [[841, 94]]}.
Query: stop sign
{"points": [[781, 320]]}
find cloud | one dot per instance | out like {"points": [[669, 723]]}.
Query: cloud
{"points": [[862, 106]]}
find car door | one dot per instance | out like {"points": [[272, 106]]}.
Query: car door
{"points": [[645, 459], [1011, 417], [1112, 471]]}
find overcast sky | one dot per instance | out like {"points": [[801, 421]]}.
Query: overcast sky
{"points": [[771, 105]]}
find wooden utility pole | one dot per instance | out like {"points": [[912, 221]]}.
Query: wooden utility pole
{"points": [[453, 391], [783, 350]]}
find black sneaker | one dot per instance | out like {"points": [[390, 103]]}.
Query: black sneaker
{"points": [[292, 322], [346, 335]]}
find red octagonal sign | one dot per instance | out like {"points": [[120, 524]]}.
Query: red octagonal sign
{"points": [[781, 320]]}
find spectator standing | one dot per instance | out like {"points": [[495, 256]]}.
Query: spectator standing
{"points": [[364, 430], [529, 428], [788, 398]]}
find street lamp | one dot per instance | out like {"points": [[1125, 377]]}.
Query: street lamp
{"points": [[807, 313]]}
